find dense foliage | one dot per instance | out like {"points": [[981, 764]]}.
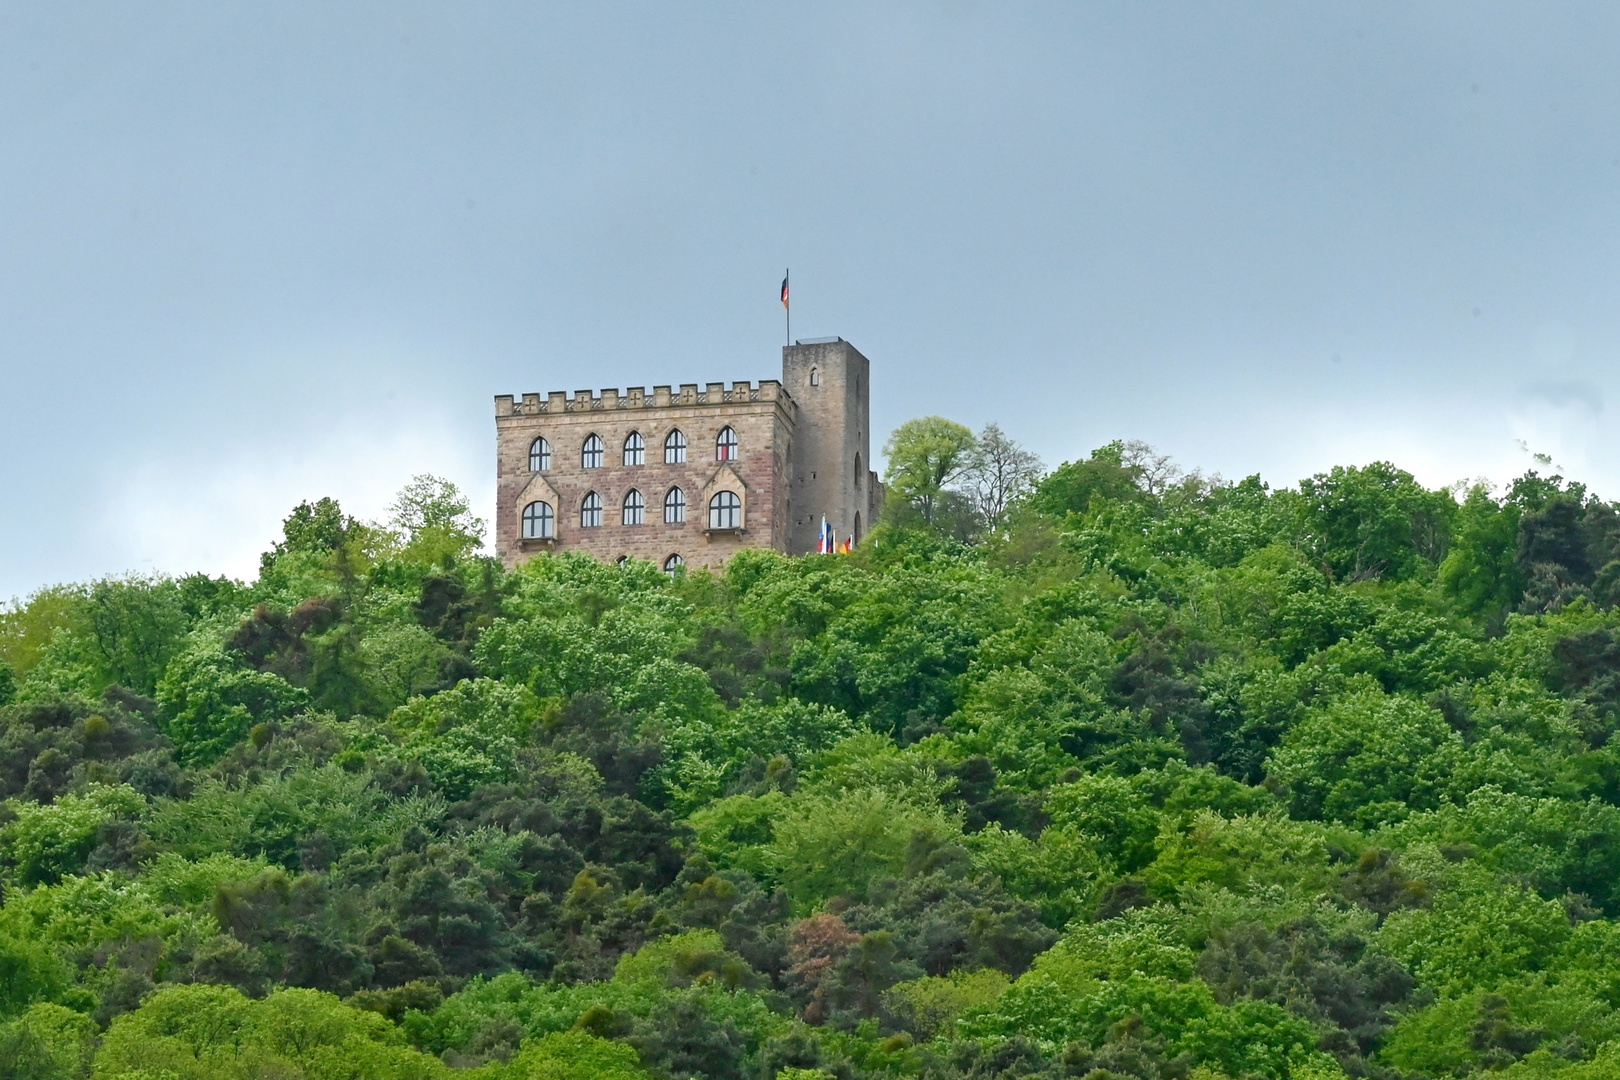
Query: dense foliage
{"points": [[1120, 773]]}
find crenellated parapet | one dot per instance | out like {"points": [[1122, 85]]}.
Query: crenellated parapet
{"points": [[637, 397]]}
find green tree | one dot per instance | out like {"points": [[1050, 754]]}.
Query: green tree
{"points": [[30, 970], [48, 1042], [1375, 521], [317, 528], [1366, 758], [1481, 570], [139, 624], [44, 842], [574, 1055], [837, 846], [436, 520], [202, 1032], [1072, 486], [925, 457], [207, 700], [26, 628]]}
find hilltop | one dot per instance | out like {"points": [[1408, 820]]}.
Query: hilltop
{"points": [[1108, 771]]}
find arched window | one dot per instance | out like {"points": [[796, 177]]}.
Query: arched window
{"points": [[858, 473], [635, 449], [539, 521], [725, 445], [635, 507], [674, 506], [725, 511], [539, 454], [673, 563], [675, 448], [815, 377], [590, 511], [590, 456]]}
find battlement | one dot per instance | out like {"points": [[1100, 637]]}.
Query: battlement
{"points": [[637, 397]]}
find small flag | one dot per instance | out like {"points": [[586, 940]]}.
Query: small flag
{"points": [[846, 547], [824, 546], [784, 291]]}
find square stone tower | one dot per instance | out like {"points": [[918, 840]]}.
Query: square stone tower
{"points": [[830, 382]]}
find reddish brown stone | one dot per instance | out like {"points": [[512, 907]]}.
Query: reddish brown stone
{"points": [[803, 451]]}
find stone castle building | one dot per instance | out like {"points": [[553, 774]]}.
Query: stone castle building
{"points": [[690, 476]]}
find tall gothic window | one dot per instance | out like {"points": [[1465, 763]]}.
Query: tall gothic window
{"points": [[674, 506], [725, 445], [539, 521], [590, 455], [590, 511], [635, 507], [673, 563], [539, 454], [635, 449], [725, 511], [675, 448]]}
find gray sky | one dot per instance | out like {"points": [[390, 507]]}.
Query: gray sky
{"points": [[255, 253]]}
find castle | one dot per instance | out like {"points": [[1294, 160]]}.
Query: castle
{"points": [[689, 477]]}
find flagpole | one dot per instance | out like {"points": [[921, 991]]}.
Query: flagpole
{"points": [[787, 303]]}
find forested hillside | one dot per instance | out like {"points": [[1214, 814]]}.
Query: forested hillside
{"points": [[1112, 772]]}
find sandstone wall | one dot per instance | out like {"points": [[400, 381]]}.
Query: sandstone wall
{"points": [[763, 418]]}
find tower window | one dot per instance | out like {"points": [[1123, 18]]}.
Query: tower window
{"points": [[635, 449], [815, 377], [590, 455], [675, 448], [590, 512], [539, 521], [539, 454], [673, 563], [635, 508], [857, 469], [725, 511], [725, 445], [674, 506]]}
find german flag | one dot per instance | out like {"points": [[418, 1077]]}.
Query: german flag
{"points": [[784, 292]]}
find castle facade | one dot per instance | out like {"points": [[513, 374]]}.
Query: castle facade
{"points": [[689, 476]]}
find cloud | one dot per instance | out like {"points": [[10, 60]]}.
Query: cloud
{"points": [[218, 513], [1561, 420]]}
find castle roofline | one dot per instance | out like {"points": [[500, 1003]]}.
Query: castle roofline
{"points": [[636, 397]]}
